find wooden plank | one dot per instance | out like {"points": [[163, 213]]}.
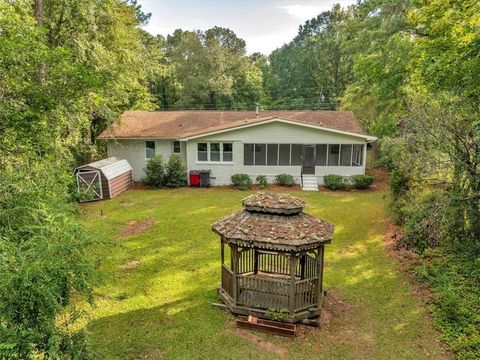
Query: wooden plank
{"points": [[272, 327]]}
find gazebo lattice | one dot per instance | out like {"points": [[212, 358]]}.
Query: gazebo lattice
{"points": [[276, 257]]}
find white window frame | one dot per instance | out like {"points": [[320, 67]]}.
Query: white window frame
{"points": [[145, 149], [209, 161]]}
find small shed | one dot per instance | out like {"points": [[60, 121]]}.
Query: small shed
{"points": [[275, 254], [103, 179]]}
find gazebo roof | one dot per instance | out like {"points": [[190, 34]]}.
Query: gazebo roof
{"points": [[274, 221]]}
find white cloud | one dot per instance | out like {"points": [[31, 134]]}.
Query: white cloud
{"points": [[303, 12]]}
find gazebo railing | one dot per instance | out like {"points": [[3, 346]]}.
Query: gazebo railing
{"points": [[227, 280], [263, 293], [305, 294]]}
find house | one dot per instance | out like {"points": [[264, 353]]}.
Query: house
{"points": [[305, 144]]}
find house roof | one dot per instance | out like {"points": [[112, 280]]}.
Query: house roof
{"points": [[110, 167], [184, 124]]}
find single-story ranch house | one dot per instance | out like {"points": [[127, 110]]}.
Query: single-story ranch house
{"points": [[308, 143]]}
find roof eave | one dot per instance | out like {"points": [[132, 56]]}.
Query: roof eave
{"points": [[368, 138]]}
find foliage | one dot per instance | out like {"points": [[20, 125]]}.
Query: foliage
{"points": [[285, 179], [207, 70], [277, 314], [155, 171], [45, 265], [261, 181], [335, 182], [362, 181], [242, 181], [175, 172], [455, 281], [313, 70]]}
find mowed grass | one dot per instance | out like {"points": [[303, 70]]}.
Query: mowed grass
{"points": [[160, 307]]}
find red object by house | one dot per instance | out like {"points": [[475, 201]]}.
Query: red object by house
{"points": [[194, 178]]}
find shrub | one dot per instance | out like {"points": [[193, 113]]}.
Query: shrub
{"points": [[261, 181], [242, 181], [285, 179], [175, 172], [362, 181], [335, 182], [155, 172]]}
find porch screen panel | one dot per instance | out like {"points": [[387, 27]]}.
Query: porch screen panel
{"points": [[272, 154], [357, 159], [284, 158], [260, 154], [248, 154], [333, 154], [346, 155], [297, 150], [321, 156]]}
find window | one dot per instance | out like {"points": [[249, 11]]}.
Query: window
{"points": [[260, 154], [357, 158], [176, 147], [321, 155], [333, 154], [346, 155], [248, 154], [227, 152], [214, 151], [284, 154], [272, 154], [149, 149], [202, 151], [297, 150]]}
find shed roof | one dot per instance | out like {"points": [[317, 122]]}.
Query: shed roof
{"points": [[278, 231], [110, 167], [183, 124]]}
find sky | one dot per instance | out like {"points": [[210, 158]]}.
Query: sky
{"points": [[264, 24]]}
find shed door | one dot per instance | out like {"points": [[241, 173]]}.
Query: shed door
{"points": [[309, 159], [89, 185]]}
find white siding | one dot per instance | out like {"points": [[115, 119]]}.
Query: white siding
{"points": [[134, 152], [273, 133]]}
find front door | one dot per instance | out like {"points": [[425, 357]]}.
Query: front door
{"points": [[309, 159]]}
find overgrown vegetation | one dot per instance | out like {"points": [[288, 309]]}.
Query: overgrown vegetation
{"points": [[154, 171], [285, 180], [242, 181]]}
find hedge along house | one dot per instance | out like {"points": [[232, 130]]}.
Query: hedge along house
{"points": [[305, 144]]}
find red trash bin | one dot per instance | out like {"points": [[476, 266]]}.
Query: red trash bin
{"points": [[194, 178]]}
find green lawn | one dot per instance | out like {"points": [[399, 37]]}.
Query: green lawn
{"points": [[160, 306]]}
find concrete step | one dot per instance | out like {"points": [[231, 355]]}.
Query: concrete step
{"points": [[310, 183]]}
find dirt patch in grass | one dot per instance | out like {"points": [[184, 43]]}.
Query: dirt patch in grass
{"points": [[130, 265], [263, 344], [334, 307], [406, 260], [135, 226]]}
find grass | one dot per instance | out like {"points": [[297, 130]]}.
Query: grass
{"points": [[161, 308]]}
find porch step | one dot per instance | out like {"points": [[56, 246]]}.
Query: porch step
{"points": [[310, 183]]}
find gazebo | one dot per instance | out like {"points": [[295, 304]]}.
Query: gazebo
{"points": [[272, 258]]}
